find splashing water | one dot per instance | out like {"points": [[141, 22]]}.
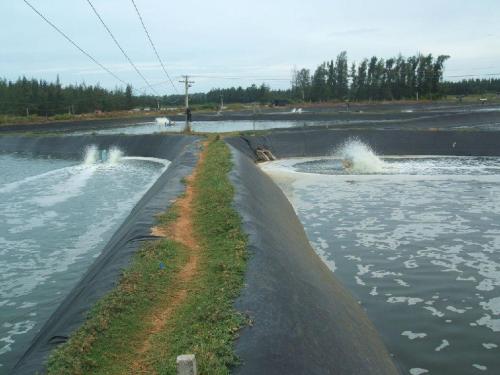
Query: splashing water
{"points": [[162, 121], [115, 155], [358, 157], [91, 155], [53, 223]]}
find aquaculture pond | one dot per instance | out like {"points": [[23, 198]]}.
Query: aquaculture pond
{"points": [[55, 218], [417, 242]]}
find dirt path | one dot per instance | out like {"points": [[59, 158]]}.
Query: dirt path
{"points": [[180, 230]]}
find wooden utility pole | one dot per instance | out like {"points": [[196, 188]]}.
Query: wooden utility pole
{"points": [[187, 85]]}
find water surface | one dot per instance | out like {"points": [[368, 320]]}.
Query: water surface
{"points": [[417, 241], [55, 218]]}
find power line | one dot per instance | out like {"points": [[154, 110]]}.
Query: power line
{"points": [[474, 75], [120, 47], [153, 46], [223, 77], [74, 43], [259, 78]]}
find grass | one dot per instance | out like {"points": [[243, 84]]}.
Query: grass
{"points": [[205, 323], [474, 98], [168, 216], [115, 319], [35, 119]]}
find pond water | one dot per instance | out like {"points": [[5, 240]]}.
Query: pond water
{"points": [[55, 218], [417, 242]]}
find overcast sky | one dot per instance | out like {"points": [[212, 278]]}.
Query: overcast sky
{"points": [[258, 38]]}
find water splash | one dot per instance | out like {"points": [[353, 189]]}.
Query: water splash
{"points": [[91, 155], [358, 157], [115, 155], [162, 121]]}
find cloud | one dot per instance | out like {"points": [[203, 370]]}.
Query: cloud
{"points": [[354, 32]]}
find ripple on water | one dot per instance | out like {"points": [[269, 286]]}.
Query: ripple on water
{"points": [[54, 221], [421, 250]]}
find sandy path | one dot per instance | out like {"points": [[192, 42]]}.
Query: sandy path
{"points": [[180, 230]]}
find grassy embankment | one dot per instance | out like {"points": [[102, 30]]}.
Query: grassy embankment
{"points": [[175, 298], [34, 119], [492, 98]]}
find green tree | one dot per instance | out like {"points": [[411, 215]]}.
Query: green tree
{"points": [[129, 103], [319, 88], [342, 73]]}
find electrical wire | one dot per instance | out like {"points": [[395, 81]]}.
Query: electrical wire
{"points": [[153, 46], [121, 48], [74, 43], [242, 77], [474, 75]]}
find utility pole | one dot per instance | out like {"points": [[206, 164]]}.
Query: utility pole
{"points": [[187, 85], [27, 112]]}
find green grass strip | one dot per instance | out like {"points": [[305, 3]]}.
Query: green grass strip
{"points": [[116, 319], [206, 323]]}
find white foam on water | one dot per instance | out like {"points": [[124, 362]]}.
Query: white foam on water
{"points": [[418, 371], [402, 283], [444, 344], [162, 121], [71, 181], [18, 328], [409, 300], [359, 281], [10, 187], [358, 157], [455, 310], [114, 155], [72, 185], [29, 262], [325, 257], [493, 305], [480, 367], [91, 155], [434, 311], [163, 162], [490, 345], [428, 224], [413, 335]]}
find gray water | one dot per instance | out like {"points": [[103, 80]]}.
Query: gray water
{"points": [[245, 125], [201, 127], [55, 218], [417, 241]]}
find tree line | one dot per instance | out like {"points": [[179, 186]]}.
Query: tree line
{"points": [[414, 77], [472, 86], [396, 78], [42, 98]]}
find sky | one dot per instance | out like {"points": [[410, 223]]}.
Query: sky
{"points": [[222, 43]]}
